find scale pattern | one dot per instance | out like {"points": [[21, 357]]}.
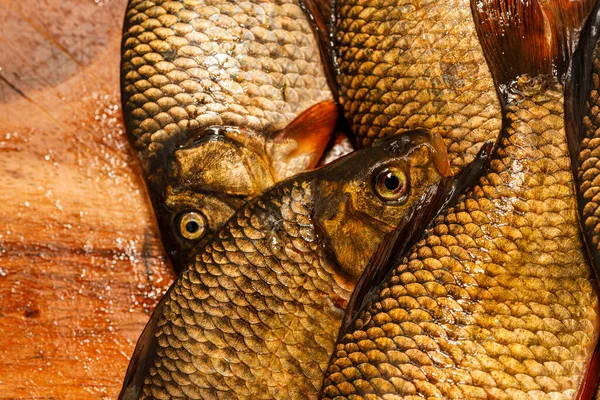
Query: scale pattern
{"points": [[406, 64], [253, 316], [498, 300], [190, 64], [588, 168]]}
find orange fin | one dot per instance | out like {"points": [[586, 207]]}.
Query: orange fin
{"points": [[589, 386], [579, 83], [517, 39], [395, 245], [299, 146]]}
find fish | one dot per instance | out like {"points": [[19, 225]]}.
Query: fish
{"points": [[256, 312], [581, 108], [581, 105], [403, 65], [497, 299], [221, 100]]}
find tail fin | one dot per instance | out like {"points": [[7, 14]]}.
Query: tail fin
{"points": [[524, 37], [569, 17]]}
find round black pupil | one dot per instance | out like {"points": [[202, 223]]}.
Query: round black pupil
{"points": [[192, 226], [391, 182]]}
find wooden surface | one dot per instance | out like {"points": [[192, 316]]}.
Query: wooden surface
{"points": [[80, 259]]}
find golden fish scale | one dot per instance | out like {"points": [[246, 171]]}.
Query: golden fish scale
{"points": [[588, 171], [191, 64], [253, 316], [416, 64], [498, 300]]}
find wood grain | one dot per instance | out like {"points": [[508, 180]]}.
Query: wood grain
{"points": [[81, 264]]}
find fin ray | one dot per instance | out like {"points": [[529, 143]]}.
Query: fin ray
{"points": [[309, 134], [515, 38]]}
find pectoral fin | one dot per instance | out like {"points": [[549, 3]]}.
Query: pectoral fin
{"points": [[299, 146]]}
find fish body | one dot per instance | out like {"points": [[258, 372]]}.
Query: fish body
{"points": [[498, 300], [256, 312], [583, 106], [415, 64], [209, 88], [584, 133]]}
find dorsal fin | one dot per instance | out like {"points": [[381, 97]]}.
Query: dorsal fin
{"points": [[517, 39], [579, 83], [397, 243]]}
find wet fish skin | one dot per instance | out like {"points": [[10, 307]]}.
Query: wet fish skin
{"points": [[583, 104], [256, 313], [214, 81], [498, 300], [415, 64], [583, 131]]}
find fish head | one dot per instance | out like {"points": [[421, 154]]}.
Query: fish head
{"points": [[368, 193], [205, 182]]}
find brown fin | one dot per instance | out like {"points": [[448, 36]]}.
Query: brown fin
{"points": [[569, 17], [320, 14], [145, 347], [306, 138], [518, 39], [579, 84], [589, 386], [396, 244]]}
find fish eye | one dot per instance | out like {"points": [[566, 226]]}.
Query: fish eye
{"points": [[192, 225], [391, 184]]}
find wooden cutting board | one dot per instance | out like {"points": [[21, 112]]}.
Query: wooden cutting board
{"points": [[81, 265]]}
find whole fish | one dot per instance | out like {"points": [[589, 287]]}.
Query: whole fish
{"points": [[256, 312], [221, 100], [498, 300], [407, 64]]}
